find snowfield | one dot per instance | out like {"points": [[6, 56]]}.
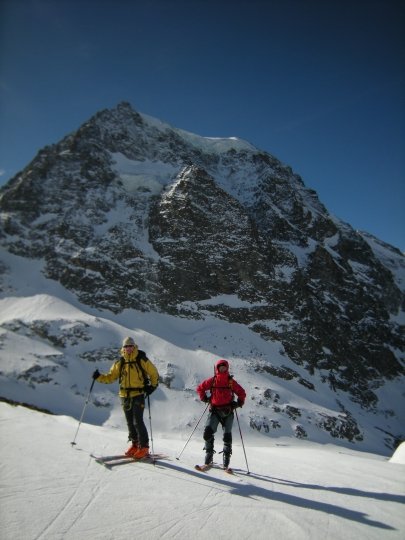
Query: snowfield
{"points": [[51, 490]]}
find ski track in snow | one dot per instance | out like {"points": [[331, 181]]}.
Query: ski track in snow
{"points": [[72, 511]]}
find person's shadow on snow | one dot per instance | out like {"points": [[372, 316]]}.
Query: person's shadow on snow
{"points": [[245, 489]]}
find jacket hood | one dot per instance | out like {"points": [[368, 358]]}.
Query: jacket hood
{"points": [[129, 355], [221, 362]]}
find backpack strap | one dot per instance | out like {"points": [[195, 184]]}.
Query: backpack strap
{"points": [[230, 383], [142, 356]]}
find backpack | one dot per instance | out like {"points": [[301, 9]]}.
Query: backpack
{"points": [[137, 363]]}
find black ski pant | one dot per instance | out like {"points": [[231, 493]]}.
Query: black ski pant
{"points": [[216, 417], [133, 409]]}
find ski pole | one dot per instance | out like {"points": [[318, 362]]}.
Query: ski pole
{"points": [[241, 438], [84, 408], [150, 424], [193, 431]]}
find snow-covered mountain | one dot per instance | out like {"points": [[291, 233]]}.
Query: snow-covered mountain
{"points": [[200, 248]]}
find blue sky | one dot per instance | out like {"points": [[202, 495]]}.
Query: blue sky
{"points": [[320, 84]]}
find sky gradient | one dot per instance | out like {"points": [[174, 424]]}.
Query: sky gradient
{"points": [[319, 84]]}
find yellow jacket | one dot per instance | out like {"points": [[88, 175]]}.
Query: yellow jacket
{"points": [[131, 370]]}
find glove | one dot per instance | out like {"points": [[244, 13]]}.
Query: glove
{"points": [[149, 389], [236, 404], [96, 374], [206, 399]]}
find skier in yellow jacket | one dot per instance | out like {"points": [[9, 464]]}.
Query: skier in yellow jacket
{"points": [[138, 378]]}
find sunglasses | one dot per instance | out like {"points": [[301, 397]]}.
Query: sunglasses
{"points": [[129, 346]]}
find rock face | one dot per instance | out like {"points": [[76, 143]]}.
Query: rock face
{"points": [[128, 212]]}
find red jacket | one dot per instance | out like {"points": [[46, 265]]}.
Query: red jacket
{"points": [[222, 388]]}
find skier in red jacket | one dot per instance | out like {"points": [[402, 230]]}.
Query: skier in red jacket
{"points": [[221, 388]]}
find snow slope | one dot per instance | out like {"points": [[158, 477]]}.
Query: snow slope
{"points": [[50, 345], [51, 490]]}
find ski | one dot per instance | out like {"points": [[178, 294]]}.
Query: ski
{"points": [[121, 459], [110, 458], [153, 455], [111, 464], [203, 468]]}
